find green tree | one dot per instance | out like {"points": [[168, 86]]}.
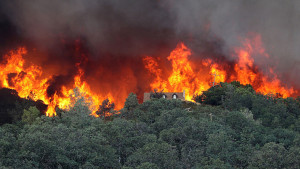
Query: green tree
{"points": [[238, 121], [293, 157], [106, 109], [147, 165], [221, 145], [161, 154], [238, 98], [270, 156], [167, 119], [30, 115], [214, 164], [150, 110], [212, 96], [192, 152], [131, 103], [53, 145], [126, 137], [7, 143]]}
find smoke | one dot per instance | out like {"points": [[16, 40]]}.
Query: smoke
{"points": [[118, 27], [276, 21], [116, 30]]}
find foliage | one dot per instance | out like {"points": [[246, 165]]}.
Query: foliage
{"points": [[244, 130], [156, 94], [131, 103], [30, 115], [12, 106], [105, 109], [212, 96], [271, 155], [161, 154], [216, 95]]}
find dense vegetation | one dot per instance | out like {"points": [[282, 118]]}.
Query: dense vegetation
{"points": [[234, 127]]}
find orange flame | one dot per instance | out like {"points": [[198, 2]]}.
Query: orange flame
{"points": [[247, 72], [195, 81], [194, 78], [183, 77], [27, 82]]}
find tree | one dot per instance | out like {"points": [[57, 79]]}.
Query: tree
{"points": [[293, 157], [212, 163], [150, 110], [270, 156], [216, 95], [30, 115], [212, 96], [160, 154], [237, 98], [126, 137], [167, 119], [130, 104], [192, 152], [147, 165], [156, 94], [105, 109], [238, 121], [221, 145], [7, 143], [52, 144]]}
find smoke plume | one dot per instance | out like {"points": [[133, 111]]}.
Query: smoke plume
{"points": [[115, 34]]}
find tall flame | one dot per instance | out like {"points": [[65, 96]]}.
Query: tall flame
{"points": [[194, 78], [194, 81], [27, 81]]}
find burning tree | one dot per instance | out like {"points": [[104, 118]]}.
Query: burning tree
{"points": [[106, 109], [156, 94]]}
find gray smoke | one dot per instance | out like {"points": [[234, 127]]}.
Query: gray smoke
{"points": [[277, 22], [107, 26], [131, 26]]}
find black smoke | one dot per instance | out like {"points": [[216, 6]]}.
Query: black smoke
{"points": [[117, 33]]}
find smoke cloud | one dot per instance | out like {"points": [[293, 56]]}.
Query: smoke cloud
{"points": [[117, 30], [276, 21]]}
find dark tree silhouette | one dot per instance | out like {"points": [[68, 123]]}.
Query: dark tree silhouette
{"points": [[156, 94], [106, 108]]}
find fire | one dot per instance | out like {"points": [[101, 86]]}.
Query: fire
{"points": [[29, 80], [26, 80], [248, 73], [152, 65], [183, 77], [193, 81]]}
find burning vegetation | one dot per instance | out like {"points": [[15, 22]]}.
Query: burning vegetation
{"points": [[19, 73], [220, 82], [108, 49]]}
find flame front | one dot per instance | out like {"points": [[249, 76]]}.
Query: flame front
{"points": [[28, 82], [192, 77]]}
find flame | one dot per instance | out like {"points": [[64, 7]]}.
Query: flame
{"points": [[29, 80], [248, 73], [194, 81], [183, 77], [26, 80]]}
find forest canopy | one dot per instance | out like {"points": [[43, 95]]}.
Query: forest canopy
{"points": [[231, 126]]}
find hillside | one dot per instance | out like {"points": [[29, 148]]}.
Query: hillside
{"points": [[233, 127]]}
